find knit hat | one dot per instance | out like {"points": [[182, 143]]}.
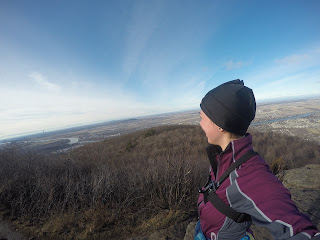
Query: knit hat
{"points": [[231, 106]]}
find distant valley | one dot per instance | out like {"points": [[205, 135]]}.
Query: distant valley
{"points": [[296, 118]]}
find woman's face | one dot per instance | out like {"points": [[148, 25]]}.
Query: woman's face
{"points": [[211, 129]]}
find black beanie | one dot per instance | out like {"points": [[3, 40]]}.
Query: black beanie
{"points": [[231, 106]]}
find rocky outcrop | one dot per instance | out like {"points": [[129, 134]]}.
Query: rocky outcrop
{"points": [[8, 232], [190, 231], [304, 185], [307, 177]]}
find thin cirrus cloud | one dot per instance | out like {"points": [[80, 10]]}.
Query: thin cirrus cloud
{"points": [[139, 33], [289, 86], [35, 110], [42, 81], [287, 65], [230, 65], [293, 59], [301, 60], [296, 74]]}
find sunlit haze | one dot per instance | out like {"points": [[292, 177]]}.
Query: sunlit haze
{"points": [[71, 63]]}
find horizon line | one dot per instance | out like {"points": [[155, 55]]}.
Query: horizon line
{"points": [[19, 136]]}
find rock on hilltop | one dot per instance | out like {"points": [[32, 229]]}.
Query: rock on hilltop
{"points": [[306, 177]]}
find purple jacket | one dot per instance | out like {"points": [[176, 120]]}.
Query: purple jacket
{"points": [[252, 189]]}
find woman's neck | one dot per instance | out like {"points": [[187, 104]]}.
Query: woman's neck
{"points": [[227, 138]]}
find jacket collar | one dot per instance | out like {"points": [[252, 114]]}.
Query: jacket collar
{"points": [[238, 147]]}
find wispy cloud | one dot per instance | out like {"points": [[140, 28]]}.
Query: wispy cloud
{"points": [[298, 62], [157, 54], [293, 59], [293, 75], [41, 81], [143, 23], [235, 65], [299, 84], [306, 59], [33, 110]]}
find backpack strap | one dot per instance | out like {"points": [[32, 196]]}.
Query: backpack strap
{"points": [[226, 210], [236, 164], [212, 152], [209, 193]]}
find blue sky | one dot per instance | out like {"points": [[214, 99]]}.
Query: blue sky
{"points": [[69, 63]]}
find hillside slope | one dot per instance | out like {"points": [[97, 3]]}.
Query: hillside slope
{"points": [[125, 187]]}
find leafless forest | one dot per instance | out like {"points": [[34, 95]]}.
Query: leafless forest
{"points": [[124, 186]]}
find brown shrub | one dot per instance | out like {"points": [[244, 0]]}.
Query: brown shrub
{"points": [[119, 185]]}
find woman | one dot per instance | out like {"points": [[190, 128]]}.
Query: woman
{"points": [[250, 190]]}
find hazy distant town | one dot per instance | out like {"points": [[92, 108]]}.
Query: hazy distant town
{"points": [[296, 118]]}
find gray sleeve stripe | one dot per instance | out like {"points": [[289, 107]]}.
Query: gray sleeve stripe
{"points": [[262, 214], [235, 173], [253, 203], [317, 234], [228, 196], [288, 225], [306, 234]]}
